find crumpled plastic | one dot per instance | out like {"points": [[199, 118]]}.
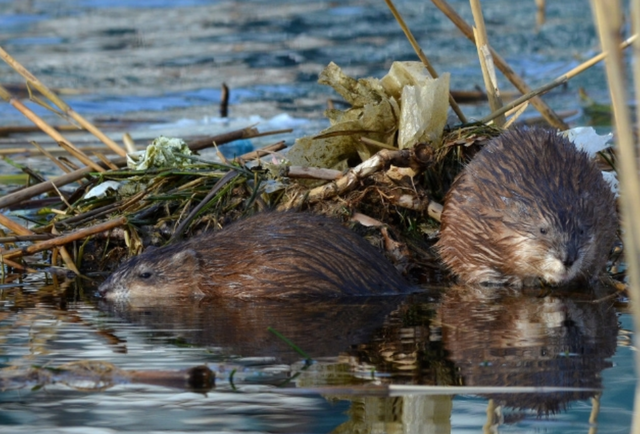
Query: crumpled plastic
{"points": [[406, 105], [162, 152]]}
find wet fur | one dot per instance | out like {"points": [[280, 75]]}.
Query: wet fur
{"points": [[529, 207], [269, 255]]}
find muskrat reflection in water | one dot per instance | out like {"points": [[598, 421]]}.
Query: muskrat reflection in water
{"points": [[268, 255], [529, 207]]}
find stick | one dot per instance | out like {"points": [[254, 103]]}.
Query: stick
{"points": [[423, 57], [47, 154], [65, 239], [262, 152], [549, 115], [17, 266], [312, 173], [22, 238], [224, 100]]}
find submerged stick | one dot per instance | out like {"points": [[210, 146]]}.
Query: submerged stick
{"points": [[33, 81], [550, 116], [423, 57], [65, 239]]}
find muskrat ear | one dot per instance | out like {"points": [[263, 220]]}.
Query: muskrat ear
{"points": [[185, 258]]}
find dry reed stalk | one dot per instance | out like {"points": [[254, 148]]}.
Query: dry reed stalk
{"points": [[66, 257], [41, 150], [557, 82], [64, 239], [105, 160], [14, 227], [541, 12], [245, 133], [22, 238], [17, 129], [33, 81], [50, 131], [486, 63], [301, 172], [12, 264], [423, 57], [607, 15], [550, 116], [258, 153], [129, 143], [377, 144], [47, 154]]}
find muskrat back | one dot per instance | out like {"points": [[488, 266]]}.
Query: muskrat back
{"points": [[267, 255], [529, 207]]}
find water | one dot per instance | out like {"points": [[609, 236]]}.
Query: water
{"points": [[161, 64]]}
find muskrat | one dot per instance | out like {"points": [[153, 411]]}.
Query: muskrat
{"points": [[528, 208], [267, 255]]}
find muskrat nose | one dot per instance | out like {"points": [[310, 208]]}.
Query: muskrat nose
{"points": [[571, 257], [102, 289]]}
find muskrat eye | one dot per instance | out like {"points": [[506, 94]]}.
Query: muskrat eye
{"points": [[144, 275], [543, 231]]}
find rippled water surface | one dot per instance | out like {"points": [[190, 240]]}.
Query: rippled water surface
{"points": [[154, 66]]}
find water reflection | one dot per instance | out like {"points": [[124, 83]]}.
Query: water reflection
{"points": [[463, 337], [321, 328], [472, 337], [511, 338]]}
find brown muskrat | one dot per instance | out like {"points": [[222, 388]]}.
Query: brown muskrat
{"points": [[267, 255], [529, 207]]}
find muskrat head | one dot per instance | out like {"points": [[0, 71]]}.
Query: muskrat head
{"points": [[163, 272], [556, 249]]}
